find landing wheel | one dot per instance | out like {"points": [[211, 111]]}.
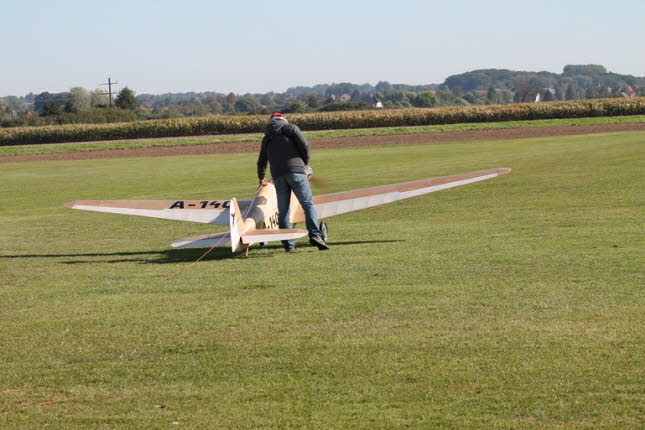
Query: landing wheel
{"points": [[323, 229], [262, 243]]}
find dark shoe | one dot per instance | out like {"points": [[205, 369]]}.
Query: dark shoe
{"points": [[319, 242], [290, 250]]}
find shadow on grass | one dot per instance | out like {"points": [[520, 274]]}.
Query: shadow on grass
{"points": [[182, 255]]}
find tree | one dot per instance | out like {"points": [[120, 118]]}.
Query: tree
{"points": [[586, 69], [267, 101], [99, 98], [571, 93], [339, 89], [383, 86], [17, 104], [214, 106], [397, 98], [248, 104], [296, 106], [126, 99], [313, 101], [79, 100], [50, 109], [231, 99], [46, 98], [6, 113], [472, 98], [446, 97], [592, 92], [425, 99], [491, 96]]}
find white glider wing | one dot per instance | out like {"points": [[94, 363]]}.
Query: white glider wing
{"points": [[202, 211], [328, 205]]}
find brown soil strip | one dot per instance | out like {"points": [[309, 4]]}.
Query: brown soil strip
{"points": [[338, 142]]}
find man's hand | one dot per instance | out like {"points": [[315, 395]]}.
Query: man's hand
{"points": [[309, 171], [263, 182]]}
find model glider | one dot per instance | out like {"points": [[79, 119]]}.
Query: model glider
{"points": [[256, 221]]}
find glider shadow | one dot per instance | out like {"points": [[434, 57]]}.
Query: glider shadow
{"points": [[186, 255]]}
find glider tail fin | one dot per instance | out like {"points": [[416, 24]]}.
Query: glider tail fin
{"points": [[237, 226], [243, 232]]}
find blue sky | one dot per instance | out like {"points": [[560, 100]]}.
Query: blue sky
{"points": [[259, 46]]}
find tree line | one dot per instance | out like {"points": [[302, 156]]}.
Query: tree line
{"points": [[489, 86]]}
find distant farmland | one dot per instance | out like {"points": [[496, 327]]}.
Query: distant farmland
{"points": [[213, 125]]}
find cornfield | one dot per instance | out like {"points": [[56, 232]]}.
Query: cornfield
{"points": [[212, 125]]}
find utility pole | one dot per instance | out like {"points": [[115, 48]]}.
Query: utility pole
{"points": [[109, 84]]}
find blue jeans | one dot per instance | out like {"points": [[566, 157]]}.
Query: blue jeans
{"points": [[299, 184]]}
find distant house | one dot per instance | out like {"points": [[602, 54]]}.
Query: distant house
{"points": [[375, 102], [481, 93], [546, 95], [345, 98]]}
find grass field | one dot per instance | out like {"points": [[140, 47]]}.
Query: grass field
{"points": [[516, 302], [254, 137]]}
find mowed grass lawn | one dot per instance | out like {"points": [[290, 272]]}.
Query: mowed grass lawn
{"points": [[516, 302]]}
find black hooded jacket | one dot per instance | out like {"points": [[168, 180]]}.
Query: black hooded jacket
{"points": [[284, 147]]}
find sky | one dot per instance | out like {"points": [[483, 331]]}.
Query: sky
{"points": [[260, 46]]}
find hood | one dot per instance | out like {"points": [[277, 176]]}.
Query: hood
{"points": [[276, 123]]}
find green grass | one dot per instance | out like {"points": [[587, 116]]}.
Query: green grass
{"points": [[516, 302], [384, 131]]}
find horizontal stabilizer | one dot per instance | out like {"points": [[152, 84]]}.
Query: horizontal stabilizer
{"points": [[202, 211], [263, 235], [204, 241], [224, 239]]}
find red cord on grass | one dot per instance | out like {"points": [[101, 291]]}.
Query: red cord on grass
{"points": [[52, 402], [196, 261]]}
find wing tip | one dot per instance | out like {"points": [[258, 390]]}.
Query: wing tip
{"points": [[70, 205], [504, 170]]}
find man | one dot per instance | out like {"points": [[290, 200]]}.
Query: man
{"points": [[287, 151]]}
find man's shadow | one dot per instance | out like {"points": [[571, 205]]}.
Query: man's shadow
{"points": [[186, 255]]}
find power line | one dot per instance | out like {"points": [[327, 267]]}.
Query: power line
{"points": [[109, 84]]}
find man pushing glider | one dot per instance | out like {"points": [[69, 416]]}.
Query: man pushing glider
{"points": [[287, 152], [256, 221]]}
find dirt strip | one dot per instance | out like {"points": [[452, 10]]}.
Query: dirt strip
{"points": [[338, 142]]}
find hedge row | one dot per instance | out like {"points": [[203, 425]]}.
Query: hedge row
{"points": [[322, 121]]}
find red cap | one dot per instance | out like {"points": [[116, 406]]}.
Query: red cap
{"points": [[274, 114]]}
